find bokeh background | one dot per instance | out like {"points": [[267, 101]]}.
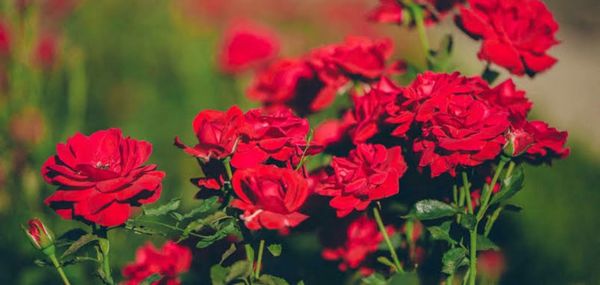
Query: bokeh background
{"points": [[148, 66]]}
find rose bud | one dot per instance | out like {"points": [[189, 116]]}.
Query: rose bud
{"points": [[40, 236], [517, 142]]}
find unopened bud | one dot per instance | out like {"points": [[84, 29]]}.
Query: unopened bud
{"points": [[517, 142], [40, 236]]}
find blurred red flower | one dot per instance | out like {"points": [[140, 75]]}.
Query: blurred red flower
{"points": [[491, 264], [100, 177], [516, 34], [5, 39], [217, 132], [270, 197], [370, 172], [361, 238], [395, 12], [169, 262], [46, 51], [247, 45]]}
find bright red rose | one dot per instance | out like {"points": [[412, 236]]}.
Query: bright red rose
{"points": [[516, 34], [270, 197], [217, 132], [363, 121], [506, 95], [100, 177], [168, 262], [549, 143], [247, 45], [273, 134], [459, 128], [370, 172], [395, 12], [362, 238]]}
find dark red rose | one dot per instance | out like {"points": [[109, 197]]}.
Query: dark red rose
{"points": [[273, 134], [506, 95], [329, 132], [169, 262], [217, 132], [395, 12], [548, 143], [459, 128], [516, 34], [370, 172], [363, 121], [100, 177], [247, 45], [361, 238], [270, 197], [5, 39]]}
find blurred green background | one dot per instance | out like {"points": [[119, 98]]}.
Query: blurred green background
{"points": [[148, 66]]}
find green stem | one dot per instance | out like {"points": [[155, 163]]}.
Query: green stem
{"points": [[491, 220], [417, 13], [104, 246], [467, 191], [58, 267], [387, 239], [473, 256], [261, 249], [228, 168], [487, 191]]}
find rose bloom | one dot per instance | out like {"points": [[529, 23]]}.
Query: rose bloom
{"points": [[217, 132], [516, 34], [275, 134], [508, 96], [394, 12], [270, 197], [100, 177], [361, 238], [370, 172], [548, 143], [5, 39], [168, 262], [246, 45], [458, 127]]}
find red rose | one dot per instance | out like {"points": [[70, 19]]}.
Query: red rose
{"points": [[506, 95], [458, 126], [270, 197], [364, 119], [217, 132], [518, 142], [168, 262], [329, 132], [245, 46], [273, 134], [46, 52], [5, 39], [370, 172], [549, 143], [394, 11], [361, 238], [516, 34], [100, 177]]}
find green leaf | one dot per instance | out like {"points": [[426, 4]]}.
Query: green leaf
{"points": [[42, 263], [164, 209], [239, 270], [231, 250], [151, 279], [206, 206], [78, 244], [374, 279], [468, 221], [301, 282], [266, 279], [440, 60], [442, 232], [386, 261], [407, 278], [274, 249], [510, 186], [484, 243], [431, 210], [453, 259], [218, 274], [490, 75]]}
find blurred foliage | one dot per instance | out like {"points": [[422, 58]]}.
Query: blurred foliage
{"points": [[148, 68]]}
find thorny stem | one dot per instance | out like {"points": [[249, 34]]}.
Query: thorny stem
{"points": [[60, 270], [387, 240]]}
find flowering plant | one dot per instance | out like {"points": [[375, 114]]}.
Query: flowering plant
{"points": [[386, 158]]}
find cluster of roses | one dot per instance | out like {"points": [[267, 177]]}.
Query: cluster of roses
{"points": [[442, 123]]}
